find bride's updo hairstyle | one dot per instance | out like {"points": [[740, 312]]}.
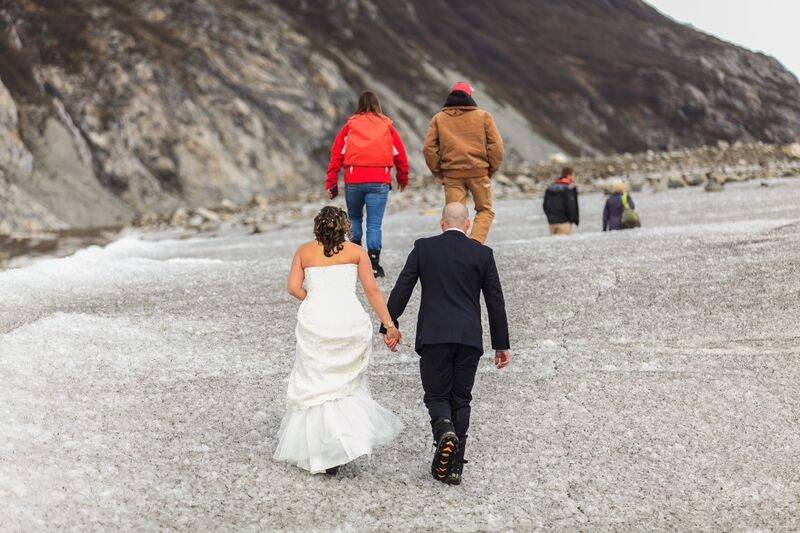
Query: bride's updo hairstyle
{"points": [[331, 228]]}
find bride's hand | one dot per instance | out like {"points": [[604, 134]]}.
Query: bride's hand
{"points": [[393, 338]]}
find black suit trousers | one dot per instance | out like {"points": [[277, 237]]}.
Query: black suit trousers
{"points": [[448, 374]]}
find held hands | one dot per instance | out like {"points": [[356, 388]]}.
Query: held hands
{"points": [[392, 338], [502, 358]]}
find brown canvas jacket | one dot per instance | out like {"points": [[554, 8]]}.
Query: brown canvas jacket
{"points": [[463, 142]]}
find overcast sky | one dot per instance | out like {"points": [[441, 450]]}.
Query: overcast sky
{"points": [[769, 26]]}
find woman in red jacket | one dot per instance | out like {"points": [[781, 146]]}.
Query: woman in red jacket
{"points": [[368, 146]]}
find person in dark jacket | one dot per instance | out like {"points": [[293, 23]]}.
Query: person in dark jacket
{"points": [[454, 270], [615, 205], [561, 204]]}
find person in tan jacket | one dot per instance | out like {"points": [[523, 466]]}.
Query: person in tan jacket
{"points": [[463, 149]]}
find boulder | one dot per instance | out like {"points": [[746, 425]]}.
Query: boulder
{"points": [[736, 177], [227, 206], [714, 182], [504, 179], [260, 202], [526, 183], [207, 214], [195, 221], [636, 184], [792, 150], [693, 180], [660, 185], [179, 217], [260, 227], [675, 181]]}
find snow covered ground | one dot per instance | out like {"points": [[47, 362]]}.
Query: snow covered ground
{"points": [[655, 382]]}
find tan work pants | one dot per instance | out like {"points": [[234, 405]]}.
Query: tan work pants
{"points": [[565, 228], [457, 190]]}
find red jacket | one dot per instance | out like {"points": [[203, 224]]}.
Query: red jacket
{"points": [[367, 160]]}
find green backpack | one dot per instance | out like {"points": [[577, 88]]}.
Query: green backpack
{"points": [[629, 219]]}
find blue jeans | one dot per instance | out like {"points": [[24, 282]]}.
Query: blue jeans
{"points": [[374, 196]]}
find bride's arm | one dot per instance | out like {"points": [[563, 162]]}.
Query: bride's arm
{"points": [[372, 291], [296, 276]]}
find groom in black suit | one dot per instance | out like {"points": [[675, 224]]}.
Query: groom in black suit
{"points": [[453, 270]]}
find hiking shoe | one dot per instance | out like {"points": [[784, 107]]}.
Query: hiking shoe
{"points": [[457, 468], [375, 259], [446, 443]]}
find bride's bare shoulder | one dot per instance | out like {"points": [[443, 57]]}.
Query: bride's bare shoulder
{"points": [[310, 245], [306, 250], [353, 250]]}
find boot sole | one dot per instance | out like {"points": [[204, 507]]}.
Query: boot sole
{"points": [[453, 481], [443, 458]]}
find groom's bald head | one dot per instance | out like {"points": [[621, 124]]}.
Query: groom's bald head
{"points": [[455, 215]]}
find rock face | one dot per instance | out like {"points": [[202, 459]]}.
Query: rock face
{"points": [[110, 109]]}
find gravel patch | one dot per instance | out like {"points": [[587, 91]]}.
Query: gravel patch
{"points": [[654, 383]]}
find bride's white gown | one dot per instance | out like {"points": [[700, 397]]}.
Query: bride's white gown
{"points": [[331, 417]]}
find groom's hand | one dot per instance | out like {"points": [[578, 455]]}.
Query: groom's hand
{"points": [[501, 358]]}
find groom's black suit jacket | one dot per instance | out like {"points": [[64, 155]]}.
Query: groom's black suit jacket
{"points": [[453, 270]]}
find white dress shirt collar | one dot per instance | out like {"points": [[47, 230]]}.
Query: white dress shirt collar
{"points": [[456, 229]]}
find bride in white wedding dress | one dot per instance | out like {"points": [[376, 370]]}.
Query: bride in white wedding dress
{"points": [[331, 417]]}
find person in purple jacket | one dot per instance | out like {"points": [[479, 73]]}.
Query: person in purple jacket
{"points": [[612, 214]]}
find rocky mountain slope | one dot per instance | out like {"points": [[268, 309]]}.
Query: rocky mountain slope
{"points": [[110, 109]]}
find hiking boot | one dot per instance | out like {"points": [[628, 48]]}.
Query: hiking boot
{"points": [[457, 468], [446, 442], [333, 470], [375, 259]]}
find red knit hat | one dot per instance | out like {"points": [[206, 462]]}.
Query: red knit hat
{"points": [[464, 87]]}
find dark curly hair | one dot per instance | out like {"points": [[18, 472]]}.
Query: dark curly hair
{"points": [[331, 229]]}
